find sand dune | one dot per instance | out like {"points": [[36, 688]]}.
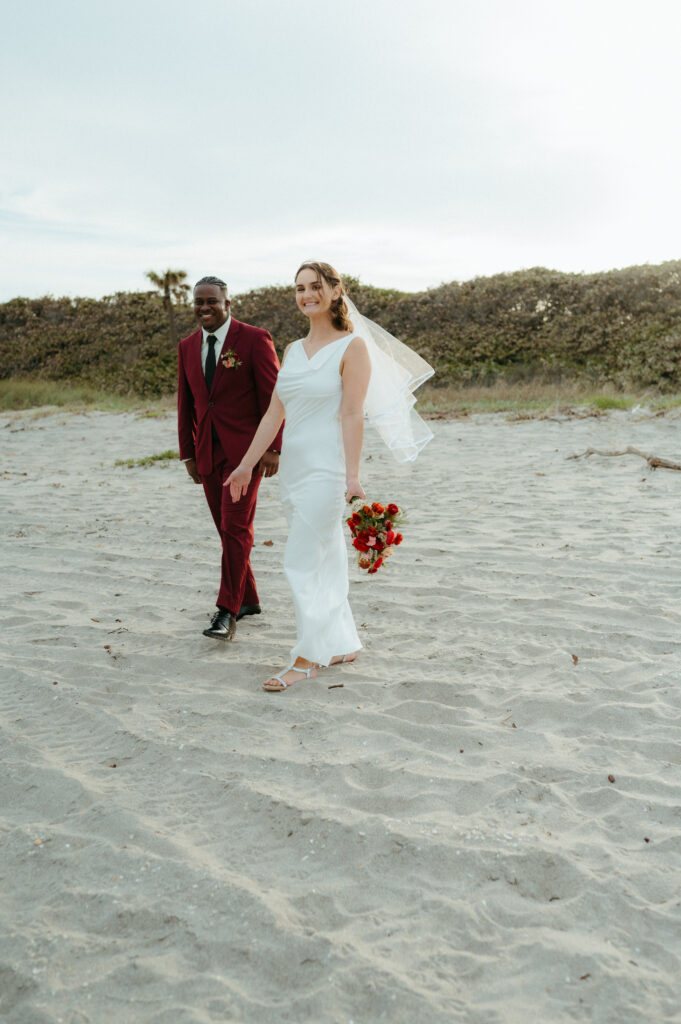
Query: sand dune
{"points": [[482, 824]]}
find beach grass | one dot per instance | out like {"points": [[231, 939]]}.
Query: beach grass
{"points": [[534, 397], [148, 460], [17, 393], [527, 397]]}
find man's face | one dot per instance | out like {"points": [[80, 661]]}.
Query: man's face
{"points": [[211, 308]]}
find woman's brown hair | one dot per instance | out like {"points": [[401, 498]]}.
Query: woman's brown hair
{"points": [[339, 310]]}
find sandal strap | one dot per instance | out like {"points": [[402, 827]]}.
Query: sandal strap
{"points": [[292, 668], [281, 675], [343, 660]]}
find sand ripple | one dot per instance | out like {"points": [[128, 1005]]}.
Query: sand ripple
{"points": [[482, 825]]}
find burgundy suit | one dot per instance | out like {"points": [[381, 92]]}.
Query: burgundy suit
{"points": [[238, 399]]}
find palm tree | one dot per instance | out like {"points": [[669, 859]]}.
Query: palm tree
{"points": [[172, 285]]}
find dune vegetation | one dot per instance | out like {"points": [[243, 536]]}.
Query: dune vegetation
{"points": [[516, 337]]}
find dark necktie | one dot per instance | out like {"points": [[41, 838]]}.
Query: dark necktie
{"points": [[210, 361]]}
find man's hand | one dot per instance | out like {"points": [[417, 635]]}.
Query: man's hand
{"points": [[191, 469], [269, 464]]}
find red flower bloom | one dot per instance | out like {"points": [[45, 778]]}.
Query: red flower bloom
{"points": [[373, 533]]}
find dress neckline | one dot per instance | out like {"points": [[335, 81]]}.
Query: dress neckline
{"points": [[327, 345]]}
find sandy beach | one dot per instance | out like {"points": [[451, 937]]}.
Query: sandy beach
{"points": [[482, 824]]}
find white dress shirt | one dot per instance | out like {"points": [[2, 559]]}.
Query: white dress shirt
{"points": [[220, 334]]}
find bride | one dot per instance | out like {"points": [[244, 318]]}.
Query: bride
{"points": [[323, 391]]}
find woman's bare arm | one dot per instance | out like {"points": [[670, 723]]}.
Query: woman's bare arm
{"points": [[355, 374], [268, 428]]}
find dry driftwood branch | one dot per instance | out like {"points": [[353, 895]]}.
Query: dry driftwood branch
{"points": [[652, 460]]}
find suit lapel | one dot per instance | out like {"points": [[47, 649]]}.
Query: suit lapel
{"points": [[194, 357]]}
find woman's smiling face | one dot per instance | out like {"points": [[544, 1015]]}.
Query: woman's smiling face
{"points": [[313, 294]]}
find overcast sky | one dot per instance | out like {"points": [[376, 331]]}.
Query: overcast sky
{"points": [[409, 143]]}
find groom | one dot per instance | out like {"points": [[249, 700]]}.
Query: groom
{"points": [[226, 374]]}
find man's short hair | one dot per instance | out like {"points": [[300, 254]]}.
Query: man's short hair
{"points": [[211, 279]]}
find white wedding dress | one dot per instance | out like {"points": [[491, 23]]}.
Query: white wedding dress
{"points": [[312, 484]]}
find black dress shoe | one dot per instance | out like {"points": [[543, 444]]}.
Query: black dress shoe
{"points": [[222, 625], [248, 609]]}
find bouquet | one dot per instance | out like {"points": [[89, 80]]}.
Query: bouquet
{"points": [[373, 533]]}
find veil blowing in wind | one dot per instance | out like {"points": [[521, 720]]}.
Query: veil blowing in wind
{"points": [[396, 372]]}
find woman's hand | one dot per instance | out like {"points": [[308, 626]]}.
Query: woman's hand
{"points": [[238, 482], [353, 489]]}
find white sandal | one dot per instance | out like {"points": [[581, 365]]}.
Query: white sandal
{"points": [[306, 672], [343, 659]]}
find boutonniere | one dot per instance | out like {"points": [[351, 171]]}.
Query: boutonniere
{"points": [[230, 359]]}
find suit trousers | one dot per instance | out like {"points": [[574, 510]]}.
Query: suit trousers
{"points": [[234, 522]]}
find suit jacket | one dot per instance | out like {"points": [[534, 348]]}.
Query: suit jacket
{"points": [[238, 398]]}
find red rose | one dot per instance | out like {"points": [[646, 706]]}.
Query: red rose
{"points": [[377, 508], [363, 535], [388, 525], [372, 531], [360, 545], [379, 545], [390, 536], [350, 522], [377, 564], [356, 518], [398, 538], [366, 510], [392, 509], [373, 569]]}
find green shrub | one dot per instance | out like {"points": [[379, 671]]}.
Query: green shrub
{"points": [[621, 327]]}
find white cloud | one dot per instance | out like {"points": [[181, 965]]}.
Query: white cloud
{"points": [[408, 144]]}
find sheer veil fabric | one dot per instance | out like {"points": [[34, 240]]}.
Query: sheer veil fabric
{"points": [[396, 372]]}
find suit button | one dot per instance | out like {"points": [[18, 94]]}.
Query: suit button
{"points": [[211, 404]]}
